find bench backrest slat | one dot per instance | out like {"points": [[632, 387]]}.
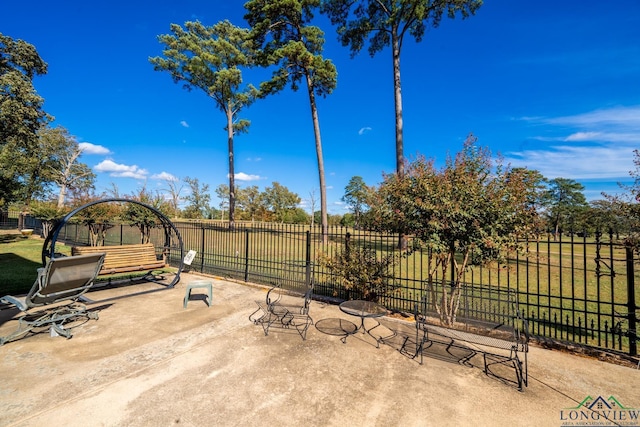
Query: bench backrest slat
{"points": [[124, 258], [488, 308]]}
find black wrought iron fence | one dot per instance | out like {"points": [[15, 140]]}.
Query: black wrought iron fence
{"points": [[573, 288], [8, 220], [578, 289], [14, 219]]}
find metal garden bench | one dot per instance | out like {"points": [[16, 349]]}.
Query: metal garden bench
{"points": [[488, 317]]}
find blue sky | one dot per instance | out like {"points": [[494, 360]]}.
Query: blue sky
{"points": [[553, 86]]}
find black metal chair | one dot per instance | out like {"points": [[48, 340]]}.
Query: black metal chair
{"points": [[282, 309]]}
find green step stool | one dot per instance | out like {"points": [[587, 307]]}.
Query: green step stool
{"points": [[199, 284]]}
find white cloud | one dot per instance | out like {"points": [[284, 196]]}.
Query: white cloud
{"points": [[583, 136], [164, 176], [601, 147], [364, 130], [246, 177], [604, 137], [89, 148], [575, 162], [528, 118], [120, 171], [254, 159], [184, 124], [616, 124], [625, 117]]}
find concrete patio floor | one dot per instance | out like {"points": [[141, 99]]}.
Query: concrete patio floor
{"points": [[149, 362]]}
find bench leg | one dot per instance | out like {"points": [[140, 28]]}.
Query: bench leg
{"points": [[419, 346], [269, 320], [301, 323], [521, 374]]}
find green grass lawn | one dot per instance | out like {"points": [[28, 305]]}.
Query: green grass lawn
{"points": [[20, 257]]}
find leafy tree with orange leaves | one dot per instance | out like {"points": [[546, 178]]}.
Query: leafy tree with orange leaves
{"points": [[471, 211]]}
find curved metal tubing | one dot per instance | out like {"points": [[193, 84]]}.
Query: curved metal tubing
{"points": [[48, 249]]}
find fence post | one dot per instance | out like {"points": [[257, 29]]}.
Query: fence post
{"points": [[307, 272], [246, 255], [347, 241], [202, 248], [631, 304]]}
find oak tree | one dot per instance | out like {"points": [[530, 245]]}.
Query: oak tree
{"points": [[249, 200], [355, 195], [62, 165], [563, 201], [198, 199], [280, 200], [21, 116], [627, 205]]}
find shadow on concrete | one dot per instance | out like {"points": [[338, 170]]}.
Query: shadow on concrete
{"points": [[404, 341], [336, 327]]}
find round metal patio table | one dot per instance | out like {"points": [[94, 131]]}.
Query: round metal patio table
{"points": [[363, 310]]}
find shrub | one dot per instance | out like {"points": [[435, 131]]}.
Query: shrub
{"points": [[362, 275]]}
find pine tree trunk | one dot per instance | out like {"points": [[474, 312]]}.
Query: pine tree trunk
{"points": [[397, 96], [316, 133], [232, 188]]}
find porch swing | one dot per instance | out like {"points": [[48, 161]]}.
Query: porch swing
{"points": [[125, 261]]}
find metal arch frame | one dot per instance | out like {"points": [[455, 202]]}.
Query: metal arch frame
{"points": [[48, 249]]}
